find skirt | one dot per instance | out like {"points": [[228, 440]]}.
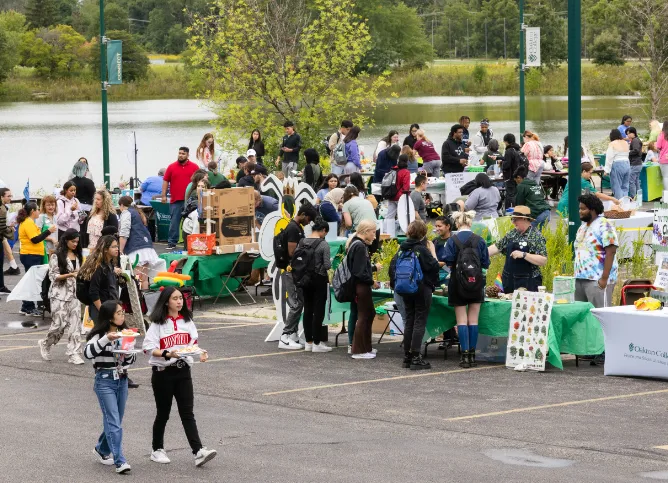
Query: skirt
{"points": [[456, 297], [146, 256]]}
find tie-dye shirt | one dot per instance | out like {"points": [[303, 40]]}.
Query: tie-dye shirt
{"points": [[590, 243]]}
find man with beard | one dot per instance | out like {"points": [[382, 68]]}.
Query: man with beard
{"points": [[176, 178], [453, 152]]}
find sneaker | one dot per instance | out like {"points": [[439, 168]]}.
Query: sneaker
{"points": [[132, 384], [368, 355], [406, 364], [418, 363], [124, 468], [204, 455], [75, 359], [29, 325], [308, 347], [374, 351], [4, 290], [171, 247], [44, 350], [159, 456], [106, 460], [12, 271], [287, 343], [350, 350], [36, 313], [295, 338], [25, 312], [322, 347]]}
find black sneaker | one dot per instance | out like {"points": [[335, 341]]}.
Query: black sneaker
{"points": [[12, 271], [171, 247], [407, 360], [5, 290], [132, 384], [419, 363]]}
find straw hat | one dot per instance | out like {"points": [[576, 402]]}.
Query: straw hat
{"points": [[522, 212]]}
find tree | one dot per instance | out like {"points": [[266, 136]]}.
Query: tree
{"points": [[606, 49], [268, 61], [6, 59], [56, 52], [13, 24], [553, 48], [135, 60], [41, 13], [115, 17]]}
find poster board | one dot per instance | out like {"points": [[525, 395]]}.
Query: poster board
{"points": [[454, 181], [660, 227], [529, 329]]}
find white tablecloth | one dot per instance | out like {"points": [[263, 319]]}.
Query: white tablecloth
{"points": [[639, 220], [29, 287], [636, 342]]}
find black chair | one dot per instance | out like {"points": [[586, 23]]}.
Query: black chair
{"points": [[241, 272]]}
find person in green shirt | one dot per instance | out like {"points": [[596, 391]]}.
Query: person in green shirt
{"points": [[214, 176], [586, 186], [531, 194]]}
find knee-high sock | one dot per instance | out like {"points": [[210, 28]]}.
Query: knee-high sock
{"points": [[463, 333], [473, 337]]}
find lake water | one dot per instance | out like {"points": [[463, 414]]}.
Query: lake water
{"points": [[41, 141]]}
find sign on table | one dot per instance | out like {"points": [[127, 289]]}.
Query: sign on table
{"points": [[453, 182], [660, 228], [662, 278], [529, 328]]}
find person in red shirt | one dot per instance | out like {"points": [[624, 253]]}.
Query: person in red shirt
{"points": [[403, 185], [431, 161], [178, 175]]}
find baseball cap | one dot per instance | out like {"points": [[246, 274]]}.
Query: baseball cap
{"points": [[259, 170], [250, 152]]}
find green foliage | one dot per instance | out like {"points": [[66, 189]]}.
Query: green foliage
{"points": [[135, 60], [479, 73], [606, 49], [12, 28], [41, 13], [560, 252], [384, 256], [266, 65], [56, 52]]}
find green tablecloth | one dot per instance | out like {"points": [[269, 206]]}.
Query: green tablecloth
{"points": [[573, 329]]}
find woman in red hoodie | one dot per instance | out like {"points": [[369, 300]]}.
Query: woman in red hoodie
{"points": [[403, 185]]}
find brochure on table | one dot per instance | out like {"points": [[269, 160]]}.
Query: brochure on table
{"points": [[529, 328]]}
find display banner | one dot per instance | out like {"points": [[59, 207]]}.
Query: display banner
{"points": [[533, 47], [115, 62]]}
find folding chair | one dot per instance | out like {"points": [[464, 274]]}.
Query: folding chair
{"points": [[241, 271]]}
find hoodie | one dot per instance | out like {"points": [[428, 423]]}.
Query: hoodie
{"points": [[403, 182], [451, 154], [65, 217], [531, 195], [428, 264], [511, 161]]}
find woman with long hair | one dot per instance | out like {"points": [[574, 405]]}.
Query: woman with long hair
{"points": [[431, 161], [173, 329], [47, 219], [413, 166], [533, 150], [69, 213], [65, 308], [330, 182], [111, 382], [354, 164], [101, 269], [391, 139], [411, 138], [206, 150], [197, 176], [102, 215], [135, 239], [32, 250], [662, 146], [617, 164], [256, 144], [357, 181]]}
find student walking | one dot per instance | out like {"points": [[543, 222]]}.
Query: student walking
{"points": [[111, 382], [102, 271], [172, 329], [65, 307]]}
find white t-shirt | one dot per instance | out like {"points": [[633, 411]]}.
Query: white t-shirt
{"points": [[172, 335]]}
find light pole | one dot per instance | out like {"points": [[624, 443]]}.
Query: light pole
{"points": [[103, 81], [522, 102], [574, 114]]}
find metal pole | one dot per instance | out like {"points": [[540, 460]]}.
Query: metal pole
{"points": [[522, 101], [450, 39], [468, 53], [432, 33], [574, 114], [103, 81]]}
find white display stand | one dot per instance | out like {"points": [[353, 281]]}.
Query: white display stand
{"points": [[636, 342]]}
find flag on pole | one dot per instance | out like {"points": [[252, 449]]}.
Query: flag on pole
{"points": [[26, 191]]}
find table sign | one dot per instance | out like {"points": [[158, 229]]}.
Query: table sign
{"points": [[454, 181], [529, 328], [660, 227]]}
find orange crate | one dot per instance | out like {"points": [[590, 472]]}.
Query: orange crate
{"points": [[201, 244]]}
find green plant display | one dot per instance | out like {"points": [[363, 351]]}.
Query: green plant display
{"points": [[539, 354], [560, 253], [384, 256], [521, 352], [521, 339]]}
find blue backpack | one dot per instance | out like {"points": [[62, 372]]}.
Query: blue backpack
{"points": [[408, 273]]}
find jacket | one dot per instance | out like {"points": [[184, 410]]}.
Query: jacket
{"points": [[65, 217], [635, 154], [359, 262], [479, 145], [383, 166], [428, 264], [353, 153], [452, 153], [85, 190], [403, 182], [531, 195], [104, 284], [294, 142], [5, 231], [511, 161]]}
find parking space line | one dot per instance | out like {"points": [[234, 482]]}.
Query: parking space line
{"points": [[252, 356], [24, 333], [665, 447], [235, 326], [18, 347], [557, 405], [384, 379]]}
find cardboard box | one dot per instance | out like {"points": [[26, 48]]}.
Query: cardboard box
{"points": [[379, 323], [238, 248], [234, 212]]}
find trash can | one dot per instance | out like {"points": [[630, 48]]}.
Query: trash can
{"points": [[162, 219]]}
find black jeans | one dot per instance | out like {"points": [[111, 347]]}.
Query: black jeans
{"points": [[315, 299], [417, 311], [511, 192], [178, 384]]}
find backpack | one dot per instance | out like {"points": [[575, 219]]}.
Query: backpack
{"points": [[388, 187], [325, 142], [468, 188], [303, 263], [46, 286], [339, 157], [468, 270], [408, 273], [343, 281], [281, 254], [83, 291]]}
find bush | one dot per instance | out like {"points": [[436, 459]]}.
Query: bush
{"points": [[479, 73], [606, 49]]}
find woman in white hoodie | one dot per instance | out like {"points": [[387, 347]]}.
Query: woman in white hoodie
{"points": [[480, 142]]}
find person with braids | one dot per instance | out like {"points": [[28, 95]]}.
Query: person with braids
{"points": [[65, 307]]}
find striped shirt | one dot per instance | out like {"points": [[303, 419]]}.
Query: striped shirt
{"points": [[99, 349]]}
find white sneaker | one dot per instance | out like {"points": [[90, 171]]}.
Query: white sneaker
{"points": [[368, 355], [322, 347], [374, 351], [159, 456], [44, 350], [124, 468], [76, 360], [308, 347], [106, 460], [294, 337], [204, 455], [350, 349], [288, 344]]}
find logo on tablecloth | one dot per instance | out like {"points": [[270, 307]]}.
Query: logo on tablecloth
{"points": [[631, 347]]}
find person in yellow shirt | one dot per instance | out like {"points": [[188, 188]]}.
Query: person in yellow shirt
{"points": [[31, 250]]}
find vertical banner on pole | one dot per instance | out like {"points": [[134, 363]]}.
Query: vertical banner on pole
{"points": [[533, 46], [115, 62]]}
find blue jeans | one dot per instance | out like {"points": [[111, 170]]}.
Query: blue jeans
{"points": [[620, 174], [634, 180], [541, 220], [175, 209], [336, 169], [112, 395], [29, 261]]}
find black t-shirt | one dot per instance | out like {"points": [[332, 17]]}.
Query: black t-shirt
{"points": [[85, 190], [293, 232]]}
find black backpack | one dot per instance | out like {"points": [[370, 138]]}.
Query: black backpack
{"points": [[303, 263], [468, 188], [468, 270], [281, 254], [83, 291], [46, 286]]}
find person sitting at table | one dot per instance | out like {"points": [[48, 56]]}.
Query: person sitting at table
{"points": [[152, 187], [413, 166], [525, 251], [484, 200], [330, 182], [264, 205], [531, 194], [586, 186], [387, 159], [213, 174], [135, 239], [492, 157], [241, 164], [417, 304], [331, 205], [558, 182], [466, 302]]}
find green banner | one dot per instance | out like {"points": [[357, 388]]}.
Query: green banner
{"points": [[115, 62]]}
